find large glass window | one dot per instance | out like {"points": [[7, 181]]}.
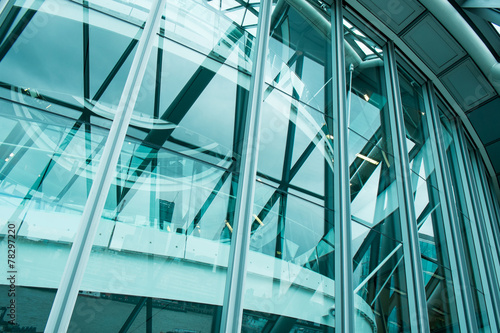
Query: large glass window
{"points": [[469, 247], [292, 242], [439, 292], [52, 72], [379, 274], [170, 209]]}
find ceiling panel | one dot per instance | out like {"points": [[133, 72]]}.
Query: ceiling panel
{"points": [[395, 14], [433, 44], [468, 85], [486, 121]]}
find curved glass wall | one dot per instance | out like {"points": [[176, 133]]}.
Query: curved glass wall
{"points": [[378, 264], [436, 268], [292, 238], [469, 247], [169, 227], [52, 138]]}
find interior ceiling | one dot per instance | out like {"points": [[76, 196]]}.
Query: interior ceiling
{"points": [[461, 67]]}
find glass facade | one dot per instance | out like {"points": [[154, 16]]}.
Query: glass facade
{"points": [[178, 171]]}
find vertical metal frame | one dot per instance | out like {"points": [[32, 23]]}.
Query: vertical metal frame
{"points": [[486, 204], [232, 311], [485, 262], [466, 316], [411, 248], [64, 302], [344, 294]]}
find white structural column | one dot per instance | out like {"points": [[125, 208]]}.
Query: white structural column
{"points": [[67, 293], [411, 249], [454, 242], [344, 294], [485, 263], [232, 312]]}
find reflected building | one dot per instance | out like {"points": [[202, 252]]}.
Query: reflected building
{"points": [[245, 166]]}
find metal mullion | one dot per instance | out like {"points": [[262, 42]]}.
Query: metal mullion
{"points": [[232, 312], [496, 213], [485, 264], [456, 255], [486, 205], [344, 291], [411, 249], [64, 302]]}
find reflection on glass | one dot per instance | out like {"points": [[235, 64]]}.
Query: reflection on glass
{"points": [[191, 103], [291, 259], [89, 67], [379, 281], [296, 146], [166, 216], [469, 247], [379, 275], [441, 307], [221, 30], [487, 206], [45, 178], [298, 59]]}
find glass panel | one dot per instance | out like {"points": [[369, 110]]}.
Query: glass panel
{"points": [[291, 262], [89, 67], [441, 302], [488, 213], [296, 146], [52, 135], [45, 178], [379, 276], [465, 227], [292, 242], [214, 28], [298, 61], [433, 247], [191, 103], [374, 196], [162, 222]]}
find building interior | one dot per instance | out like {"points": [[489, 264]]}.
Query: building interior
{"points": [[274, 166]]}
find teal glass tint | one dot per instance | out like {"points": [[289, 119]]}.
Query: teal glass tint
{"points": [[292, 229], [47, 168], [260, 322], [379, 282], [89, 68], [191, 103], [367, 108], [441, 308], [106, 312], [487, 207], [378, 262], [221, 30], [169, 214], [416, 126], [374, 200], [133, 12], [295, 146], [299, 53], [469, 246], [291, 259]]}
